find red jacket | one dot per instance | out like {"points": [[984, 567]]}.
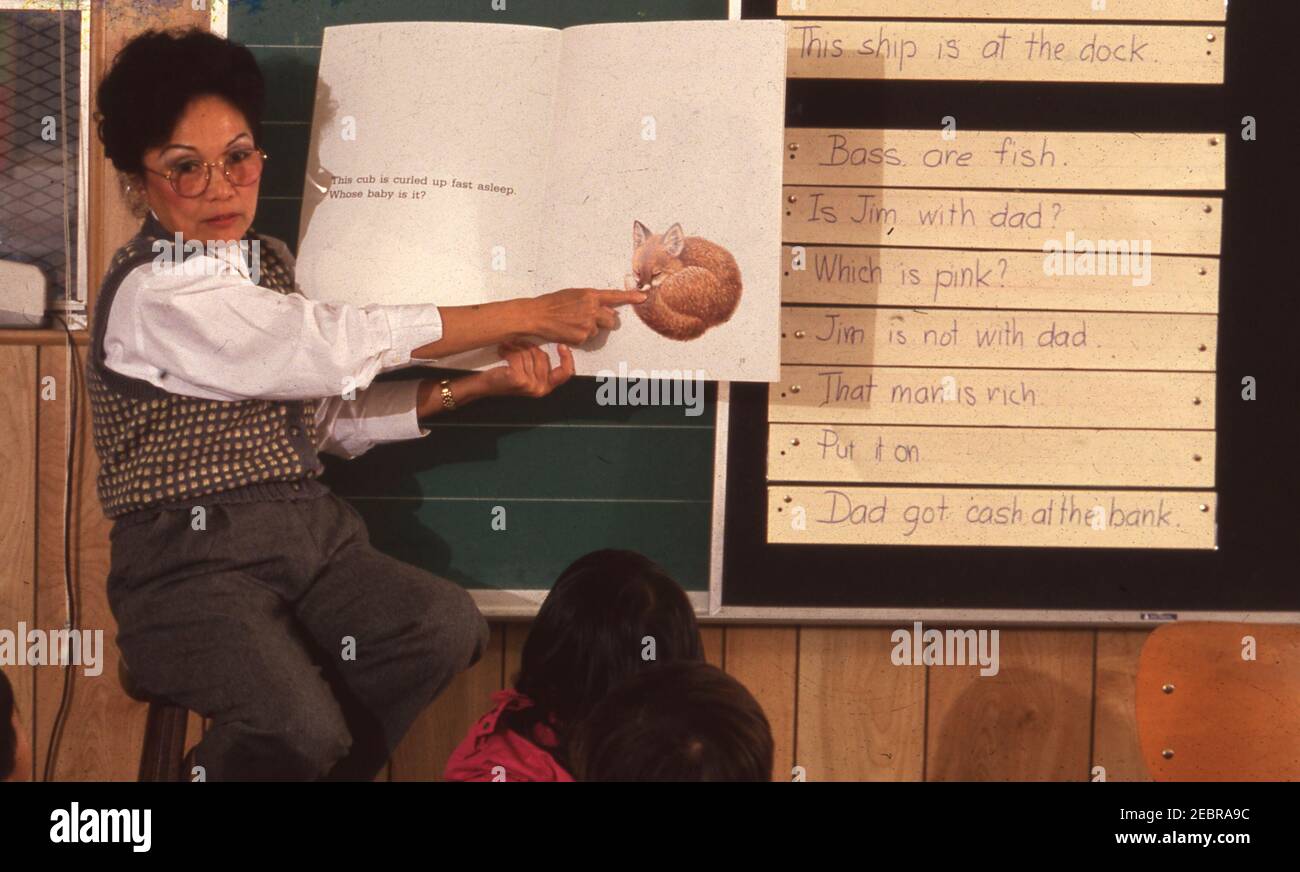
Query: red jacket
{"points": [[490, 745]]}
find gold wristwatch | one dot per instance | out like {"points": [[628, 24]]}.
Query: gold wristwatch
{"points": [[448, 401]]}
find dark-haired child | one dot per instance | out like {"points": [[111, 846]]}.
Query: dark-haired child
{"points": [[611, 615], [681, 722]]}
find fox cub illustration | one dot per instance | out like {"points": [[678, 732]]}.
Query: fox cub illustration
{"points": [[692, 284]]}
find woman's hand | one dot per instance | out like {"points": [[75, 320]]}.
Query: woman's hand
{"points": [[576, 314], [527, 371], [572, 315]]}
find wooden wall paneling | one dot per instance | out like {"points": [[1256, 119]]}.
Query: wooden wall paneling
{"points": [[715, 643], [87, 748], [1115, 745], [766, 661], [860, 717], [1030, 722], [422, 754], [1223, 699], [18, 573]]}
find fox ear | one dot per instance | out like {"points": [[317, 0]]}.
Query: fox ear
{"points": [[640, 233], [674, 240]]}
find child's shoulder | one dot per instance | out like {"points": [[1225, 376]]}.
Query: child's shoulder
{"points": [[492, 751]]}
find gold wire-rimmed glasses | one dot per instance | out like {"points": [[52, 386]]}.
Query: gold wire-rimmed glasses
{"points": [[191, 177]]}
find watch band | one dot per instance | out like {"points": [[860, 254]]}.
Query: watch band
{"points": [[448, 401]]}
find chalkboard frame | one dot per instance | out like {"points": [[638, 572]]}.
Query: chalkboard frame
{"points": [[1247, 577]]}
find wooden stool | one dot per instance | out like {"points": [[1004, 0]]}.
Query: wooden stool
{"points": [[163, 754], [1206, 714]]}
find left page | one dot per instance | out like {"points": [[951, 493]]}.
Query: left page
{"points": [[426, 172]]}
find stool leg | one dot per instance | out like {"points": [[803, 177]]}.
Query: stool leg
{"points": [[164, 743]]}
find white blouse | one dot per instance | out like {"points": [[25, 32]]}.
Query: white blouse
{"points": [[203, 328]]}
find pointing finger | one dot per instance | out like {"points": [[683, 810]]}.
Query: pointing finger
{"points": [[621, 298]]}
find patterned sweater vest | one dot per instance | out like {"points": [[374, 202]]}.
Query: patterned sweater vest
{"points": [[159, 450]]}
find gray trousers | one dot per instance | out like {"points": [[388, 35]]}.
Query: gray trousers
{"points": [[311, 651]]}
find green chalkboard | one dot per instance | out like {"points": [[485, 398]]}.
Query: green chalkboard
{"points": [[571, 475]]}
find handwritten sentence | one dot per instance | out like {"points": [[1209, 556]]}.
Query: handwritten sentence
{"points": [[1006, 334], [974, 272], [1139, 512], [872, 209], [1010, 152], [1036, 44], [837, 389]]}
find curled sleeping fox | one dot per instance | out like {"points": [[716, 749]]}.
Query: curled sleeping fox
{"points": [[692, 284]]}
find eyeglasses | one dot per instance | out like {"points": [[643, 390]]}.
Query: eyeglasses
{"points": [[190, 177]]}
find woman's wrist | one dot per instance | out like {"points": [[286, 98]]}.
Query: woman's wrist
{"points": [[520, 320], [464, 390]]}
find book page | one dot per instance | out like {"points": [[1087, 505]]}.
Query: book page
{"points": [[670, 134], [425, 176]]}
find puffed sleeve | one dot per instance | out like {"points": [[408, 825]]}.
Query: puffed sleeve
{"points": [[203, 328]]}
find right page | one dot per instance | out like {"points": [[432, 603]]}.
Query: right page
{"points": [[665, 174]]}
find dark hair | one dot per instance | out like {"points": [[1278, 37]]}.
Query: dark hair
{"points": [[680, 722], [8, 738], [156, 75], [590, 634]]}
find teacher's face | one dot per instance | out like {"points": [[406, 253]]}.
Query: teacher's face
{"points": [[208, 130]]}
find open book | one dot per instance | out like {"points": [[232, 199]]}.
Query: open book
{"points": [[460, 163]]}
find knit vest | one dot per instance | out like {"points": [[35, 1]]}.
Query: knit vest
{"points": [[159, 450]]}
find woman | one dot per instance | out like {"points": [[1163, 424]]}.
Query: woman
{"points": [[214, 386]]}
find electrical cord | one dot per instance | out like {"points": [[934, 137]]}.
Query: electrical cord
{"points": [[71, 364]]}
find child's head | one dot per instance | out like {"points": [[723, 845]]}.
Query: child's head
{"points": [[678, 722], [610, 615]]}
